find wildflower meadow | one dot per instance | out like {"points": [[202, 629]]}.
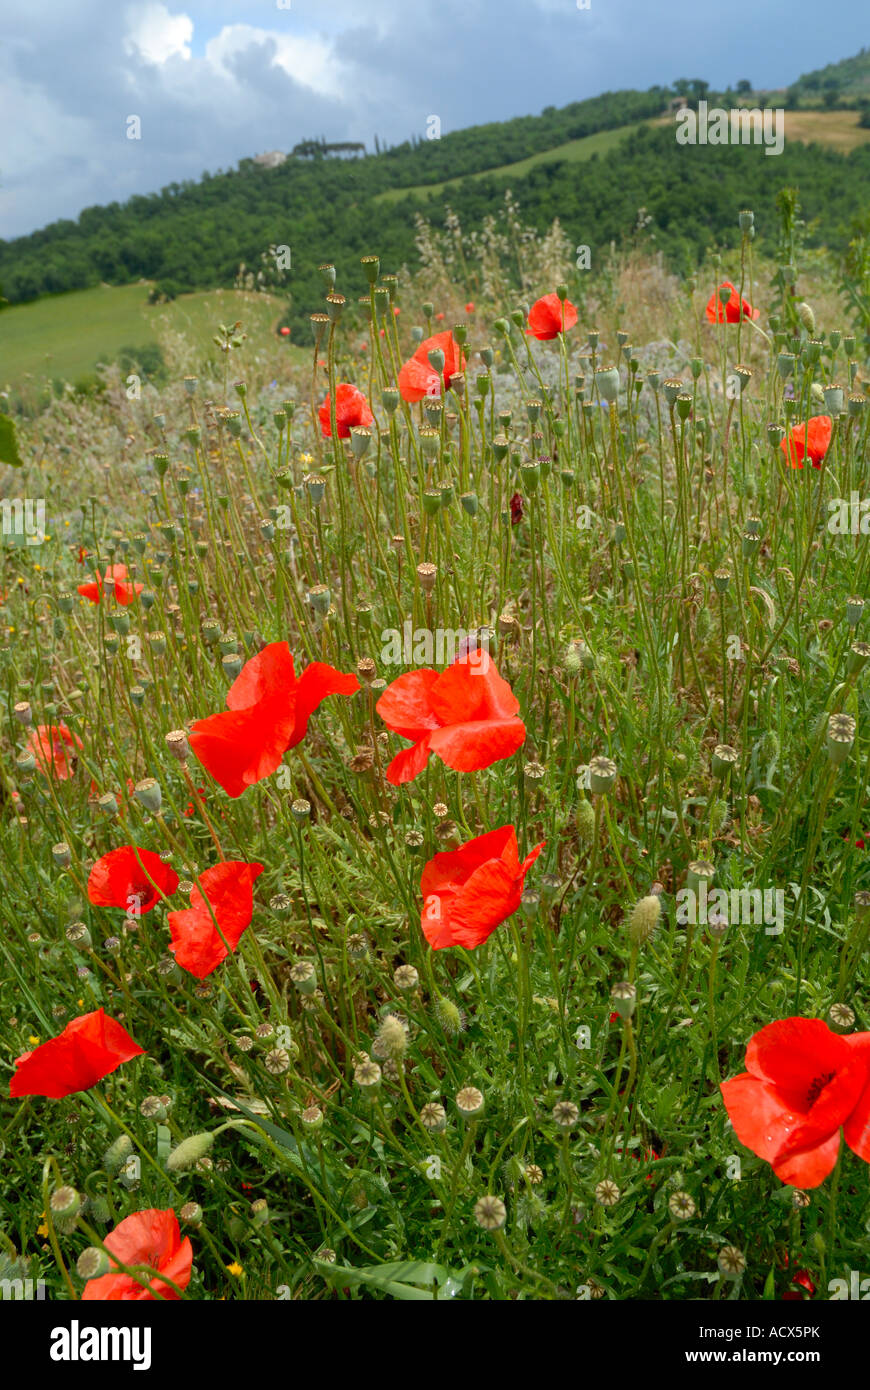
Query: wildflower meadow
{"points": [[434, 801]]}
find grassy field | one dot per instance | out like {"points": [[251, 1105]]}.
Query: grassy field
{"points": [[575, 151], [537, 974], [65, 335]]}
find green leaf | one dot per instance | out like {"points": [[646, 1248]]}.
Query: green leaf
{"points": [[399, 1280], [9, 443]]}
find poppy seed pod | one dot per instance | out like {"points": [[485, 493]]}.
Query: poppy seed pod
{"points": [[469, 1102], [367, 1075], [304, 977], [724, 759], [93, 1263], [854, 610], [490, 1213], [835, 398], [745, 219], [147, 793], [859, 654], [699, 871], [672, 388], [371, 266], [607, 381], [683, 402], [841, 1018], [602, 774], [623, 998], [176, 742], [840, 738]]}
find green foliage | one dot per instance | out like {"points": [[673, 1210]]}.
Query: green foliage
{"points": [[196, 235]]}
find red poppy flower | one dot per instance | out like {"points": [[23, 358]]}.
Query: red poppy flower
{"points": [[285, 331], [440, 316], [115, 578], [467, 715], [418, 378], [49, 743], [548, 317], [130, 874], [730, 310], [268, 712], [469, 308], [149, 1238], [811, 438], [468, 892], [804, 1281], [516, 506], [803, 1084], [89, 1048], [196, 943], [351, 408]]}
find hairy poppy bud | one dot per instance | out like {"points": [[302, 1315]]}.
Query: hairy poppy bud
{"points": [[644, 919], [189, 1152]]}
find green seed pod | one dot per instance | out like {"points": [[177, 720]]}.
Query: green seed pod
{"points": [[189, 1152]]}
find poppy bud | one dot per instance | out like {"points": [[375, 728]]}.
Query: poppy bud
{"points": [[807, 317], [585, 822], [189, 1152], [117, 1153], [644, 919], [391, 1039]]}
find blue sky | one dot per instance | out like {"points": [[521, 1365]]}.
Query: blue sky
{"points": [[212, 83]]}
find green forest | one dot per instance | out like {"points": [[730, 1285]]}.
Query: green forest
{"points": [[196, 234]]}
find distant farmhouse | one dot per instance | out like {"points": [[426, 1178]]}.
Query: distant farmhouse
{"points": [[308, 149]]}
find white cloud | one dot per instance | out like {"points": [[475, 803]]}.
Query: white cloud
{"points": [[156, 35], [308, 60]]}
